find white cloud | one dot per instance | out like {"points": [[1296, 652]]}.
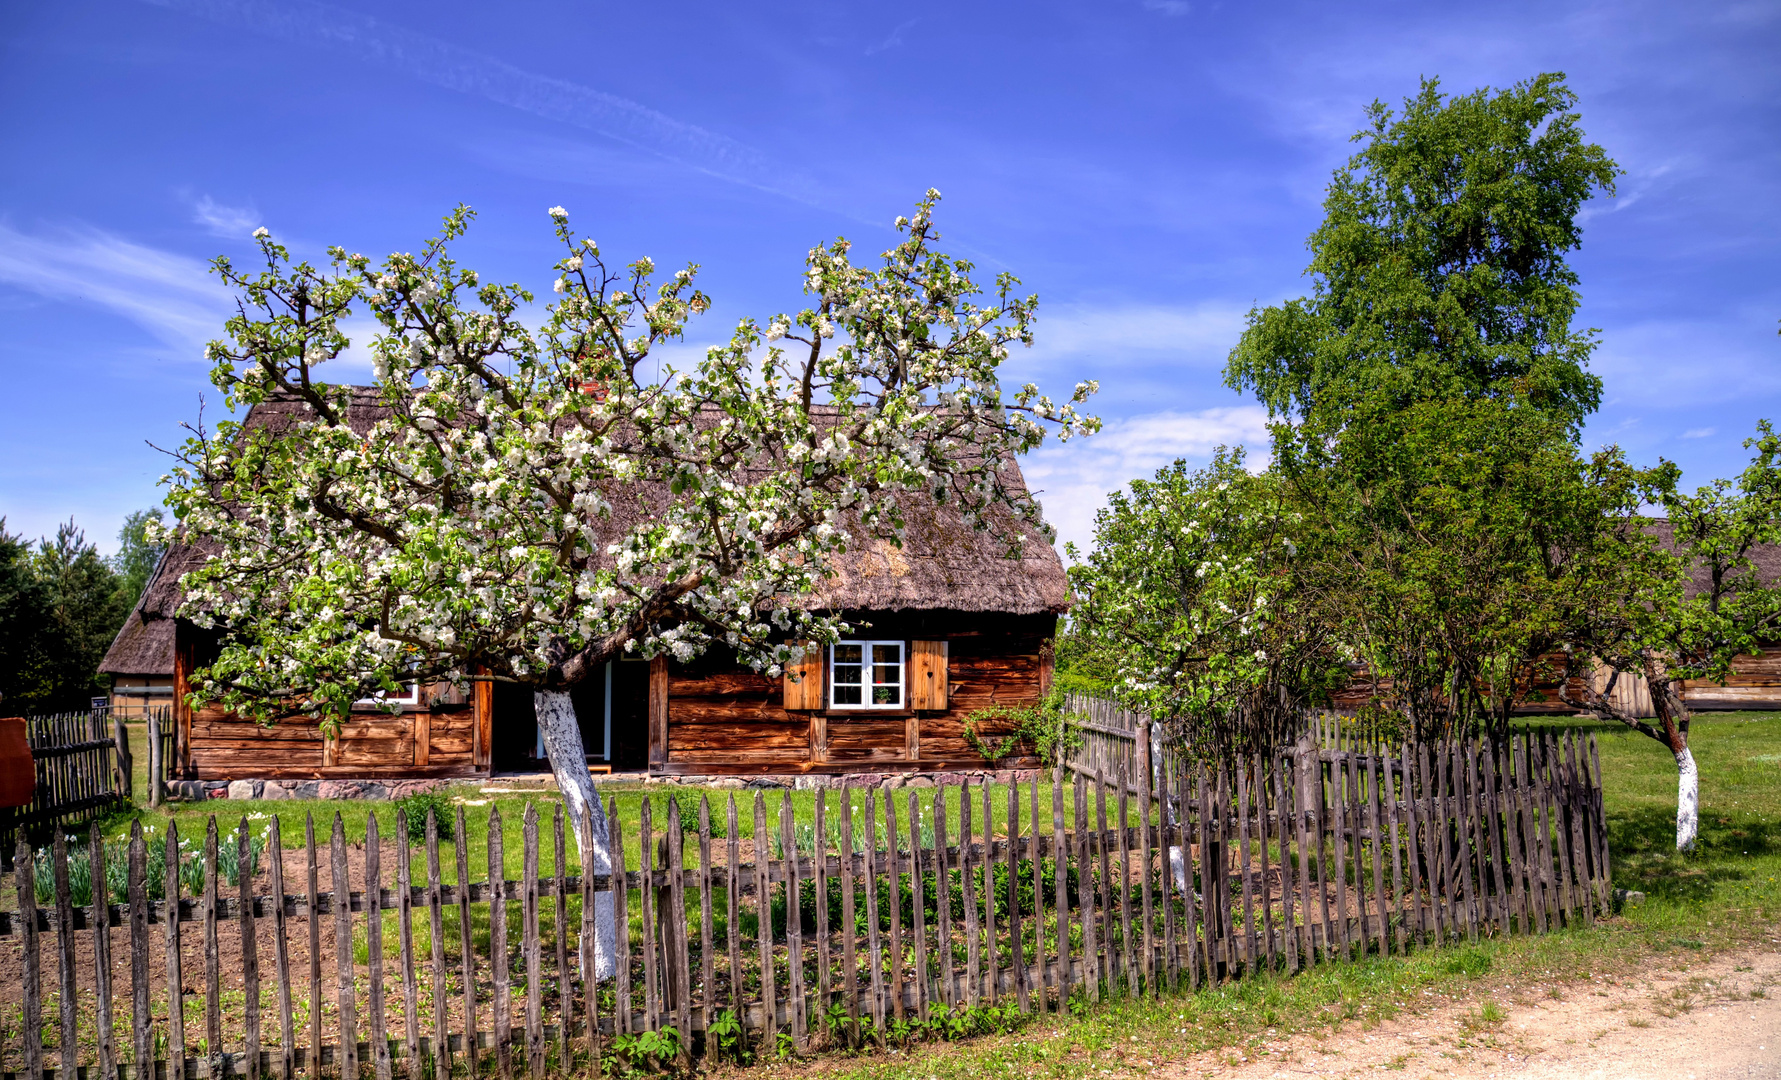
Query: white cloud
{"points": [[1168, 7], [1073, 479], [229, 222], [173, 297], [1699, 433], [1203, 332]]}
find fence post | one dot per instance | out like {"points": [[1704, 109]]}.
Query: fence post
{"points": [[154, 761], [126, 765]]}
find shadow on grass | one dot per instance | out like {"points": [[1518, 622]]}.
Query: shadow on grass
{"points": [[1642, 846]]}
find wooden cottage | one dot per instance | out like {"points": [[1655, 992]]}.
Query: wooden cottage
{"points": [[945, 625]]}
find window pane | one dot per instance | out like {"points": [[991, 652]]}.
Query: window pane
{"points": [[887, 674], [847, 674]]}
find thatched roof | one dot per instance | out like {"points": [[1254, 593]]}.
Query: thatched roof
{"points": [[944, 564], [1765, 557], [142, 647]]}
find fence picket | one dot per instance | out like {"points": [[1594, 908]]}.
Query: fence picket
{"points": [[497, 894], [733, 907], [1037, 976], [250, 955], [674, 934], [895, 893], [1085, 893], [1127, 951], [1107, 969], [850, 973], [467, 954], [560, 894], [101, 925], [942, 902], [1382, 919], [1289, 954], [530, 954], [176, 1020], [348, 1056], [991, 952], [874, 947], [919, 930], [379, 1026], [621, 909], [707, 938], [763, 847], [31, 1026], [436, 939], [1243, 767], [820, 873], [1017, 960], [646, 860], [968, 893], [67, 1054], [312, 869], [1492, 824], [794, 923]]}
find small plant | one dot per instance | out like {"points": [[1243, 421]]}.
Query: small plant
{"points": [[787, 1047], [725, 1038], [1043, 727], [415, 808], [689, 822]]}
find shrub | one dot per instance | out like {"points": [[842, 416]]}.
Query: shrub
{"points": [[416, 806]]}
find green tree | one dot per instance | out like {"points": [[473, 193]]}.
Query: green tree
{"points": [[24, 605], [137, 553], [86, 607], [1189, 607], [1456, 548], [1687, 609], [1439, 270]]}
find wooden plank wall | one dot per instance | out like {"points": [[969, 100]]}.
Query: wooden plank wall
{"points": [[370, 745], [722, 717], [1264, 866]]}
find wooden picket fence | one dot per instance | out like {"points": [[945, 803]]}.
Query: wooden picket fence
{"points": [[81, 770], [865, 917]]}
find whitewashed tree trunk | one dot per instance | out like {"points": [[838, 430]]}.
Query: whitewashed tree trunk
{"points": [[1688, 800], [568, 760]]}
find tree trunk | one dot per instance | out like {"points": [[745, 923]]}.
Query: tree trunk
{"points": [[1688, 800], [568, 760]]}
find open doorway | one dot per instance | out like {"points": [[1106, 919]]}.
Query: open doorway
{"points": [[612, 709]]}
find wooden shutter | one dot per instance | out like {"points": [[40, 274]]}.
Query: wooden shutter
{"points": [[803, 682], [927, 675]]}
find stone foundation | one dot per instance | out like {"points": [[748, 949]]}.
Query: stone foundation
{"points": [[274, 790]]}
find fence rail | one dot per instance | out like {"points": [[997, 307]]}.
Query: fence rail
{"points": [[866, 915]]}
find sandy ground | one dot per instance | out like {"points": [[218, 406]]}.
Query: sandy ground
{"points": [[1715, 1020]]}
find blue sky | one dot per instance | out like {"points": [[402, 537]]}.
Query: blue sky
{"points": [[1150, 168]]}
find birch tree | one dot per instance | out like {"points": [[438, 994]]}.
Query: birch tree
{"points": [[469, 531]]}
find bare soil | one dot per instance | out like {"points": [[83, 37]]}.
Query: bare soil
{"points": [[1716, 1020]]}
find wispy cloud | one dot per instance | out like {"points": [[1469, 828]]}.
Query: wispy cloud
{"points": [[230, 222], [441, 63], [171, 296], [891, 42], [1171, 8], [1699, 433], [1074, 478]]}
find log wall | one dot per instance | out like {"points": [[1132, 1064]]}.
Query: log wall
{"points": [[723, 718]]}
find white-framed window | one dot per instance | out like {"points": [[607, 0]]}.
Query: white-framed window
{"points": [[866, 675], [410, 695]]}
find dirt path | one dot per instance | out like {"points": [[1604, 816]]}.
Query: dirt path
{"points": [[1716, 1020]]}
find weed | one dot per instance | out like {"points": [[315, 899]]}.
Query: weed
{"points": [[417, 806]]}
